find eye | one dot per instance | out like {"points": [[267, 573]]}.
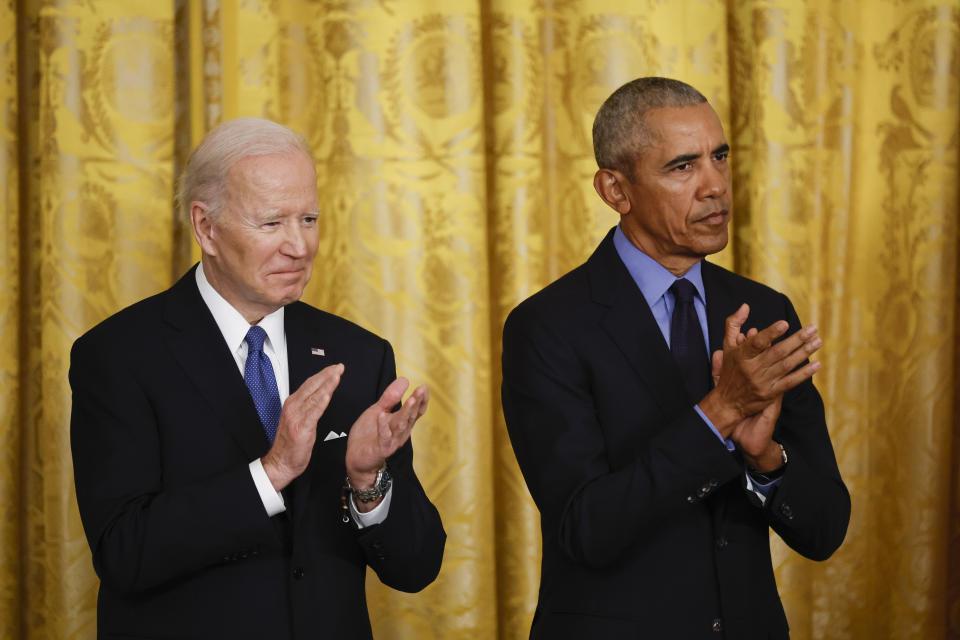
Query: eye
{"points": [[683, 166], [310, 219], [271, 224], [721, 157]]}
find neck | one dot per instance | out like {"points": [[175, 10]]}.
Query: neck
{"points": [[220, 285]]}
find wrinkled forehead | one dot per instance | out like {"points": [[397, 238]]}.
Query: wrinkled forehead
{"points": [[676, 130], [253, 167], [286, 178]]}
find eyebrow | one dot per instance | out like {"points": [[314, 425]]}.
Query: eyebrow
{"points": [[690, 157]]}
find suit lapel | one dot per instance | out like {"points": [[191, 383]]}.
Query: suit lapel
{"points": [[197, 344], [302, 339], [631, 326], [722, 302]]}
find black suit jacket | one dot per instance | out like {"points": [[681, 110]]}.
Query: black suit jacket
{"points": [[163, 429], [648, 530]]}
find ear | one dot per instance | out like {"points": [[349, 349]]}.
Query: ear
{"points": [[202, 228], [608, 183]]}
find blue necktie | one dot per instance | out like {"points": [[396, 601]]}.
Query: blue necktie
{"points": [[258, 374], [686, 340]]}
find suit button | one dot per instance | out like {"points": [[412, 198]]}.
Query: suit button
{"points": [[717, 625], [298, 573], [722, 542], [226, 558], [377, 545], [787, 511], [713, 483], [691, 499], [705, 489], [244, 555]]}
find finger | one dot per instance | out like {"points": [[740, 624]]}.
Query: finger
{"points": [[752, 332], [425, 401], [795, 359], [394, 428], [716, 366], [734, 323], [318, 401], [410, 411], [314, 382], [798, 341], [761, 341], [393, 394], [791, 380]]}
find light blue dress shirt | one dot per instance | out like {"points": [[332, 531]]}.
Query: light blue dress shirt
{"points": [[654, 281]]}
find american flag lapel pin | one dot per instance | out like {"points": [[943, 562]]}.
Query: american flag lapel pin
{"points": [[317, 352]]}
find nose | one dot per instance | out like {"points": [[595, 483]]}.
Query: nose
{"points": [[715, 181], [295, 243]]}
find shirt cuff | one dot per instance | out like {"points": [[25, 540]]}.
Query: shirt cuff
{"points": [[762, 491], [726, 441], [271, 498], [376, 515]]}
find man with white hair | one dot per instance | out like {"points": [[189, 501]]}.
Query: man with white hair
{"points": [[240, 457]]}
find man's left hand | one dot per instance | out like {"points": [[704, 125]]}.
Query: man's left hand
{"points": [[379, 432], [754, 434]]}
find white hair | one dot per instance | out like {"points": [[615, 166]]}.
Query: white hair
{"points": [[205, 176]]}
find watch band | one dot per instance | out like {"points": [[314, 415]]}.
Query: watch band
{"points": [[377, 491], [769, 476]]}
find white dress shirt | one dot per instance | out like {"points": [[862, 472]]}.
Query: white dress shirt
{"points": [[234, 328]]}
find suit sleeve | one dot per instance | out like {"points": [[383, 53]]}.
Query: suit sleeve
{"points": [[596, 511], [406, 549], [810, 510], [142, 532]]}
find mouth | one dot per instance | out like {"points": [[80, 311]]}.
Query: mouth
{"points": [[288, 273], [715, 218]]}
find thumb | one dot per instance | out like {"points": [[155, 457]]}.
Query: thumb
{"points": [[734, 324], [717, 364], [392, 394]]}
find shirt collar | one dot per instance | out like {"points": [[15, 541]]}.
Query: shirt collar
{"points": [[651, 277], [232, 324]]}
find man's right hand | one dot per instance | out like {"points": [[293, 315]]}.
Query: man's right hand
{"points": [[297, 429], [754, 371]]}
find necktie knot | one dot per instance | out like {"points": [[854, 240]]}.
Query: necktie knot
{"points": [[254, 339], [683, 290]]}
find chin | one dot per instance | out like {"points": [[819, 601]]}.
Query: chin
{"points": [[712, 246]]}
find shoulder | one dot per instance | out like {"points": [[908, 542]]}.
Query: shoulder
{"points": [[718, 276], [564, 301], [137, 321], [332, 326], [730, 290]]}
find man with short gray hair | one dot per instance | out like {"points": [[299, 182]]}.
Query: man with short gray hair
{"points": [[240, 457], [662, 435]]}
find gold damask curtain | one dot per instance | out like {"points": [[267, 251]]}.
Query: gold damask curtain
{"points": [[454, 158]]}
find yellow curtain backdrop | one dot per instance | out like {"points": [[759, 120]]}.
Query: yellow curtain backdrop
{"points": [[454, 161]]}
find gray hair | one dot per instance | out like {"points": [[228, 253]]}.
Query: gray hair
{"points": [[205, 176], [619, 131]]}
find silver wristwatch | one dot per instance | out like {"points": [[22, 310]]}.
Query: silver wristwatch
{"points": [[377, 491]]}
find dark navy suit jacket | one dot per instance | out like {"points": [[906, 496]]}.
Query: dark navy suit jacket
{"points": [[163, 429], [648, 530]]}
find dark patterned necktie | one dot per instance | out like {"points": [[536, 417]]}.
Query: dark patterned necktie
{"points": [[686, 340], [258, 374]]}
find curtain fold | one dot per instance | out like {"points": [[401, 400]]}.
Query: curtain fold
{"points": [[11, 436], [454, 159]]}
